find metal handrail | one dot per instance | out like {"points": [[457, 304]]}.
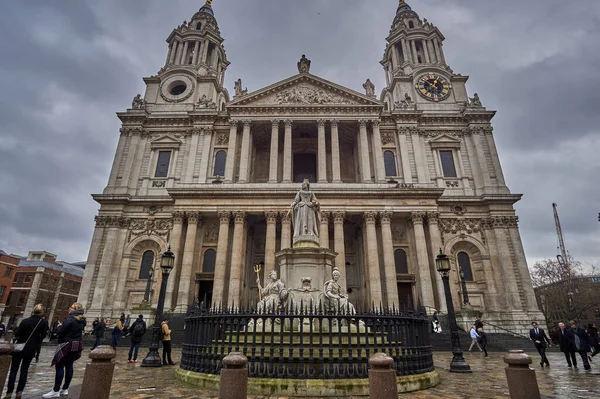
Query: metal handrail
{"points": [[504, 329]]}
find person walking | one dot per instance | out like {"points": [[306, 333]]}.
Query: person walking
{"points": [[117, 333], [483, 340], [137, 331], [166, 341], [31, 332], [126, 326], [478, 323], [594, 340], [474, 339], [539, 337], [69, 350], [566, 343], [98, 332], [581, 340]]}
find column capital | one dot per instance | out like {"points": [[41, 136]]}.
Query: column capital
{"points": [[178, 216], [321, 122], [193, 217], [234, 122], [286, 217], [325, 216], [224, 216], [386, 216], [275, 123], [288, 122], [433, 217], [363, 123], [334, 123], [247, 123], [239, 217], [338, 216], [376, 123], [271, 216], [370, 217], [417, 217]]}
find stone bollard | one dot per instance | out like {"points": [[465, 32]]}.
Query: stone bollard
{"points": [[522, 383], [234, 377], [98, 376], [9, 335], [382, 378], [6, 349]]}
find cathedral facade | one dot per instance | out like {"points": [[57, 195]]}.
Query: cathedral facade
{"points": [[398, 175]]}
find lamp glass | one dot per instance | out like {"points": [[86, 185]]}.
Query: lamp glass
{"points": [[167, 261], [442, 263]]}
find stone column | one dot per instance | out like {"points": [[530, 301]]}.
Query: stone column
{"points": [[221, 261], [418, 151], [270, 244], [231, 149], [286, 230], [506, 263], [321, 153], [188, 177], [524, 275], [113, 282], [184, 53], [414, 51], [424, 273], [90, 264], [335, 152], [378, 150], [204, 160], [237, 260], [435, 245], [195, 59], [245, 153], [436, 46], [287, 152], [365, 163], [173, 52], [130, 160], [391, 285], [339, 246], [176, 249], [406, 51], [189, 250], [499, 278], [274, 151], [481, 159], [431, 51], [488, 136], [373, 259], [324, 230], [407, 174], [114, 171], [425, 51], [108, 254], [205, 51]]}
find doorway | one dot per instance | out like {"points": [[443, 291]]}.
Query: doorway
{"points": [[305, 167], [205, 292], [405, 296]]}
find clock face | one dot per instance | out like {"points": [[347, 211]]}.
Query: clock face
{"points": [[433, 87]]}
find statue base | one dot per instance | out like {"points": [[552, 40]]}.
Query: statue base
{"points": [[306, 241]]}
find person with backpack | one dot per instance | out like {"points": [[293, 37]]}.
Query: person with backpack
{"points": [[137, 331]]}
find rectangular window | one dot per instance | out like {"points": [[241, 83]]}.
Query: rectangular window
{"points": [[22, 299], [28, 279], [9, 298], [7, 272], [2, 290], [162, 166], [448, 163]]}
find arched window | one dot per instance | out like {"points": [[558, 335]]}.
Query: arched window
{"points": [[401, 262], [411, 24], [147, 263], [465, 264], [199, 26], [389, 160], [220, 158], [208, 264]]}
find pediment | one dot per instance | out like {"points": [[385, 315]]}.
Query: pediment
{"points": [[444, 140], [304, 90], [166, 141]]}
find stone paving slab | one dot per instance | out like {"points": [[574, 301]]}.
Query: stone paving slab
{"points": [[488, 380]]}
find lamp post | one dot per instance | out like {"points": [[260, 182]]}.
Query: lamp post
{"points": [[458, 364], [152, 359], [464, 287]]}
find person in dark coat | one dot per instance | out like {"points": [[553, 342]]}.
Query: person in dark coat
{"points": [[482, 340], [567, 344], [31, 332], [478, 323], [581, 340], [137, 331], [98, 332], [594, 340], [539, 337]]}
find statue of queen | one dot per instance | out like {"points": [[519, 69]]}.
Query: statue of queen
{"points": [[305, 217]]}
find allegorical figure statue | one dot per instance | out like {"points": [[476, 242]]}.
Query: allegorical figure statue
{"points": [[335, 298], [305, 215], [273, 295], [475, 101]]}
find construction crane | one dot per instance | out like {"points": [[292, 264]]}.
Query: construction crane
{"points": [[563, 258]]}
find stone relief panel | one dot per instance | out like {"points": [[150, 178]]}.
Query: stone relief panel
{"points": [[211, 232], [305, 93], [150, 227]]}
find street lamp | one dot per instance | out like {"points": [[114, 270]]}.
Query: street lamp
{"points": [[464, 287], [458, 364], [152, 359]]}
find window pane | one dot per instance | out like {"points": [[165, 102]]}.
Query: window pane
{"points": [[448, 163], [465, 264], [389, 159], [210, 257], [401, 262], [219, 169], [147, 262], [162, 166]]}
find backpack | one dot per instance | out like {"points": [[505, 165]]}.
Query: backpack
{"points": [[138, 330]]}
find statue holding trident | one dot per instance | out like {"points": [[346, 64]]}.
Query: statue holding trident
{"points": [[272, 296], [305, 217]]}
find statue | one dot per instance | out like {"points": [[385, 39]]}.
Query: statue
{"points": [[369, 88], [205, 102], [238, 88], [475, 101], [334, 299], [305, 216], [138, 102], [304, 65], [273, 295], [407, 102]]}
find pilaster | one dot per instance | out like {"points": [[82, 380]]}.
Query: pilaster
{"points": [[339, 246], [424, 274], [391, 286], [237, 259], [218, 299], [373, 259]]}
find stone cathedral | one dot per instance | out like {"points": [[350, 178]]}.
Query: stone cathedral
{"points": [[399, 175]]}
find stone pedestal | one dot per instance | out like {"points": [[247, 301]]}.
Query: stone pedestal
{"points": [[522, 383], [98, 375]]}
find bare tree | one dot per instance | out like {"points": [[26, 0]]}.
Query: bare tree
{"points": [[550, 271]]}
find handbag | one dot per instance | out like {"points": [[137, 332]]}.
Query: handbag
{"points": [[21, 347]]}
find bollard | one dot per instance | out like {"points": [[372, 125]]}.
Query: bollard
{"points": [[6, 349], [382, 377], [9, 335], [234, 377], [98, 376], [522, 383]]}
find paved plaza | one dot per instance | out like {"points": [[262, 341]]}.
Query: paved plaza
{"points": [[487, 381]]}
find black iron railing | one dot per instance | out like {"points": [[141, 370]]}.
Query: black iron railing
{"points": [[308, 343]]}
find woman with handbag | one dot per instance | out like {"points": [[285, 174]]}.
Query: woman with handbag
{"points": [[29, 335]]}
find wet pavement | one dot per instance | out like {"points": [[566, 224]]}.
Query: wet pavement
{"points": [[488, 379]]}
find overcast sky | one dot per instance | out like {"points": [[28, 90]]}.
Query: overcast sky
{"points": [[67, 66]]}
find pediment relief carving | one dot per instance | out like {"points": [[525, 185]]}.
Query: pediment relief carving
{"points": [[303, 94]]}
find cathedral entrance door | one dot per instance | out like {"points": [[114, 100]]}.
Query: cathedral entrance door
{"points": [[305, 167], [405, 296], [205, 292]]}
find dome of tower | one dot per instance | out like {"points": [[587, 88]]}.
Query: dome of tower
{"points": [[207, 8], [403, 6]]}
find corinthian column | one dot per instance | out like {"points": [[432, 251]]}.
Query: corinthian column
{"points": [[230, 161], [378, 150], [189, 250], [391, 285], [335, 152], [286, 228], [324, 230], [287, 152], [274, 151], [435, 245], [245, 153], [423, 270], [270, 241], [322, 153], [237, 260], [221, 261], [176, 249], [90, 264], [338, 246], [365, 163], [373, 259]]}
